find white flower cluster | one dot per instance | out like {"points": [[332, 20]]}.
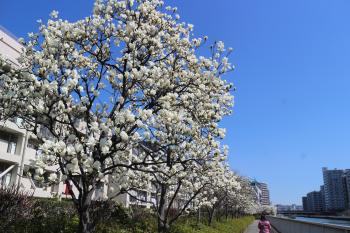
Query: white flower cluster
{"points": [[127, 78]]}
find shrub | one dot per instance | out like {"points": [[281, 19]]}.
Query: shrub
{"points": [[53, 216], [113, 220], [15, 206], [142, 221], [45, 215], [136, 220], [20, 213]]}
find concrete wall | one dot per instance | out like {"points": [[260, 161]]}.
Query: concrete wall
{"points": [[9, 47], [285, 225]]}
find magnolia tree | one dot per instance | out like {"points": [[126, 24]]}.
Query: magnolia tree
{"points": [[228, 194], [125, 77], [182, 184], [221, 188], [243, 201], [267, 209], [182, 172]]}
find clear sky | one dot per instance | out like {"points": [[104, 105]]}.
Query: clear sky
{"points": [[292, 58]]}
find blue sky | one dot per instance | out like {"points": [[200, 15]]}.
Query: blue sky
{"points": [[292, 58]]}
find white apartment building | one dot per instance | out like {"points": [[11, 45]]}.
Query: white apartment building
{"points": [[139, 198], [262, 193], [18, 148]]}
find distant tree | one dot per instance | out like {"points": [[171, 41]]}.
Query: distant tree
{"points": [[244, 201], [180, 182], [223, 186]]}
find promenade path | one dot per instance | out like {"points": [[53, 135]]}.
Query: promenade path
{"points": [[253, 228]]}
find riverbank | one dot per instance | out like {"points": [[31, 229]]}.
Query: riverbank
{"points": [[325, 220], [345, 218]]}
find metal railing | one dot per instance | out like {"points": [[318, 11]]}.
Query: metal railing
{"points": [[7, 171]]}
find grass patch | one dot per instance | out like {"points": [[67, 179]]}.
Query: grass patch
{"points": [[225, 226]]}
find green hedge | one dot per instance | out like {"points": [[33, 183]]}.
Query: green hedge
{"points": [[53, 216], [225, 226], [129, 221], [49, 216]]}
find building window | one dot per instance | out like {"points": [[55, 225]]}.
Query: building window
{"points": [[6, 179], [32, 143], [12, 147], [154, 198], [10, 141], [138, 196], [132, 199], [142, 196]]}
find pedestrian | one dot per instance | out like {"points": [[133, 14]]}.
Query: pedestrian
{"points": [[264, 225]]}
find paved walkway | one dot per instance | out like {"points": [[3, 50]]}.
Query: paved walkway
{"points": [[253, 228]]}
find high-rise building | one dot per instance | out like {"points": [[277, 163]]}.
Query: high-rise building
{"points": [[262, 192], [265, 197], [305, 206], [335, 189], [314, 201], [347, 185], [323, 200]]}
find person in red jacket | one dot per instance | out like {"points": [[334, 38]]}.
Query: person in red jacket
{"points": [[264, 225]]}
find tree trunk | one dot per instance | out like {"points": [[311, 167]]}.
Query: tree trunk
{"points": [[162, 219], [211, 216], [85, 222], [163, 227], [198, 215]]}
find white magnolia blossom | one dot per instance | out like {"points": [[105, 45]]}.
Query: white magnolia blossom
{"points": [[244, 201], [53, 177]]}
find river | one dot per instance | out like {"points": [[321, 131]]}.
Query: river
{"points": [[335, 222]]}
